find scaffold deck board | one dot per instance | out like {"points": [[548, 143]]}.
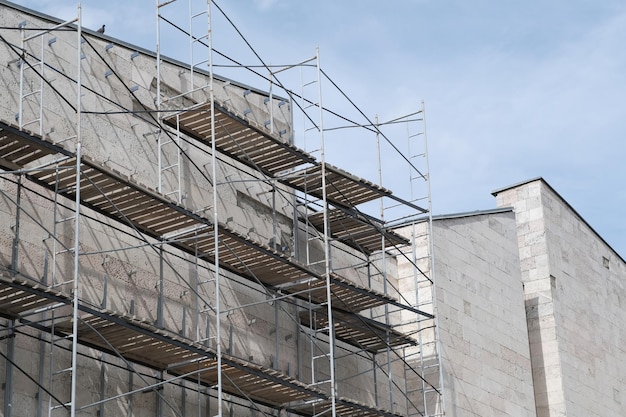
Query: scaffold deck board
{"points": [[259, 148], [14, 301], [357, 230], [356, 330], [342, 188], [239, 138], [259, 384], [17, 151], [345, 295], [343, 407]]}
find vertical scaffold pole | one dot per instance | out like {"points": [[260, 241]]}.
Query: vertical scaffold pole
{"points": [[77, 215], [158, 92], [431, 248], [327, 265], [384, 266], [218, 307]]}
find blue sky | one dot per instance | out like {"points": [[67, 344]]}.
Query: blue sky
{"points": [[513, 90]]}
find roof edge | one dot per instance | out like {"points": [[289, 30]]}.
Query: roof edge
{"points": [[473, 213], [454, 216], [148, 52], [519, 184], [576, 213]]}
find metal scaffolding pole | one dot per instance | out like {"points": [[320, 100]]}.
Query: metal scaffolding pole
{"points": [[384, 268], [327, 254], [218, 305], [75, 292], [432, 394], [442, 410]]}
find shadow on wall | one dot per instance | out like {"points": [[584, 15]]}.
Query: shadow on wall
{"points": [[537, 355], [421, 382]]}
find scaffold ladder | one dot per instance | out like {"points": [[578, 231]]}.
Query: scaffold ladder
{"points": [[322, 360], [423, 370], [311, 109], [170, 165], [170, 154], [31, 97]]}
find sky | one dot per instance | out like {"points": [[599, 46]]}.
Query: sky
{"points": [[513, 90]]}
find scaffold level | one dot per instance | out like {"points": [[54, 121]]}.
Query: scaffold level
{"points": [[122, 199], [240, 138], [269, 153], [356, 330], [17, 150], [141, 342], [255, 261], [358, 230], [118, 197]]}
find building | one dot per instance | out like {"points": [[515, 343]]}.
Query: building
{"points": [[169, 247], [574, 295]]}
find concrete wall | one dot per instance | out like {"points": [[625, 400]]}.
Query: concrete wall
{"points": [[575, 298], [484, 340]]}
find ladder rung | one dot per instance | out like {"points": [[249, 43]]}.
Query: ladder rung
{"points": [[31, 122], [66, 219], [327, 381], [62, 283], [62, 371], [204, 339], [322, 329], [66, 337], [65, 251], [61, 406], [321, 356], [32, 93]]}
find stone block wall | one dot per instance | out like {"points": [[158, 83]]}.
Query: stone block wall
{"points": [[574, 290], [482, 328]]}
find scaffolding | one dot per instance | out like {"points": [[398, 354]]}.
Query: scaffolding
{"points": [[299, 278]]}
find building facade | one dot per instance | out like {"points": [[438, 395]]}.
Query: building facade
{"points": [[574, 295], [169, 249]]}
